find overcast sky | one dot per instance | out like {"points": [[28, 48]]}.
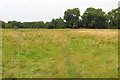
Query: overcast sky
{"points": [[45, 10]]}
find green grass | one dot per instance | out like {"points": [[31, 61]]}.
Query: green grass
{"points": [[0, 53], [42, 53]]}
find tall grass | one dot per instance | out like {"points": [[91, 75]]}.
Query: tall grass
{"points": [[60, 53]]}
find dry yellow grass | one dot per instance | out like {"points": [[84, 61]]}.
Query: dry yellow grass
{"points": [[61, 53]]}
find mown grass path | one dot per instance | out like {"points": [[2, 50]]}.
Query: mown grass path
{"points": [[69, 68]]}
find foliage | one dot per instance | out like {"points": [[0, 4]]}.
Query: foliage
{"points": [[2, 24], [71, 17], [39, 24], [91, 18], [58, 23], [49, 25], [113, 18], [15, 24], [94, 18]]}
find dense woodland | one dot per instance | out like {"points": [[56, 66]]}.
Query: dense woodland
{"points": [[91, 18]]}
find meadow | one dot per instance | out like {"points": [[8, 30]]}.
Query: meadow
{"points": [[60, 53]]}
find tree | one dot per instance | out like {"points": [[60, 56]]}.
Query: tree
{"points": [[2, 24], [58, 23], [7, 25], [80, 24], [71, 17], [100, 19], [119, 16], [49, 25], [14, 24], [39, 24], [28, 25], [113, 18], [91, 18], [94, 18]]}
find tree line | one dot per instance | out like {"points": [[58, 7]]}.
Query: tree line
{"points": [[92, 18]]}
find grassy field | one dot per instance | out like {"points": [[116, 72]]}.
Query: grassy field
{"points": [[0, 53], [42, 53]]}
